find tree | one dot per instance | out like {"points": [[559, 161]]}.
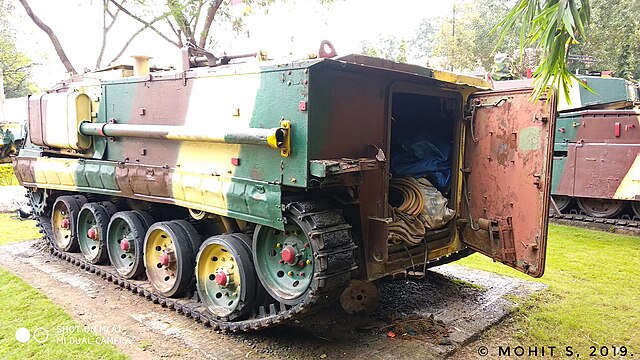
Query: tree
{"points": [[456, 37], [553, 26], [466, 39], [15, 66], [386, 47], [614, 37], [423, 43], [176, 21]]}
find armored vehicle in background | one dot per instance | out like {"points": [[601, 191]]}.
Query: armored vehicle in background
{"points": [[246, 194], [12, 127], [596, 166]]}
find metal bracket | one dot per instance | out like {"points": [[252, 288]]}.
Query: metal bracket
{"points": [[285, 150], [501, 231]]}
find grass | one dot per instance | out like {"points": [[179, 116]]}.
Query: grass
{"points": [[12, 230], [22, 306], [6, 175], [593, 295]]}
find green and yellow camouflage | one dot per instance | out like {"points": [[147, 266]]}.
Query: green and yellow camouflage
{"points": [[263, 186], [503, 67]]}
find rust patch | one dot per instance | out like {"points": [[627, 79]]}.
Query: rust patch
{"points": [[509, 155]]}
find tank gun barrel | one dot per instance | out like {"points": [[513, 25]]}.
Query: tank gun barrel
{"points": [[276, 138]]}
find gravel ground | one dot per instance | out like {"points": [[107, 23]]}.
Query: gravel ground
{"points": [[11, 198], [452, 304]]}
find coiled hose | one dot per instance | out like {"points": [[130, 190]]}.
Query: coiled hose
{"points": [[408, 223]]}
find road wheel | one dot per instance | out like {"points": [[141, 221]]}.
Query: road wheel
{"points": [[125, 240], [635, 205], [601, 208], [93, 221], [562, 202], [168, 258], [284, 260], [63, 222], [144, 216], [226, 279]]}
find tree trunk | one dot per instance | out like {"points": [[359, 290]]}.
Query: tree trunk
{"points": [[54, 39], [213, 9]]}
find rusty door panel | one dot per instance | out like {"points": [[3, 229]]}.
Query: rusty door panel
{"points": [[507, 165]]}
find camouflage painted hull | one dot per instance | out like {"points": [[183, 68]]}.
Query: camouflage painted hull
{"points": [[244, 180], [597, 156]]}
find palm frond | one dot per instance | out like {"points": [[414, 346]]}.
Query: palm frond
{"points": [[552, 25]]}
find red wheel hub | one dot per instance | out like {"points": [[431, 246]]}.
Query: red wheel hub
{"points": [[164, 259], [65, 223], [221, 278], [124, 245], [289, 254], [92, 233]]}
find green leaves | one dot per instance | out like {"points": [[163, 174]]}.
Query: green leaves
{"points": [[15, 65], [554, 26]]}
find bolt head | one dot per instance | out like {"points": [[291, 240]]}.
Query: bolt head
{"points": [[164, 259], [221, 278], [289, 254]]}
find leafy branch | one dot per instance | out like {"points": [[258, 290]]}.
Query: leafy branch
{"points": [[553, 26]]}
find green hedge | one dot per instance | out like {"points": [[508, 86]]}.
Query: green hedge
{"points": [[6, 175]]}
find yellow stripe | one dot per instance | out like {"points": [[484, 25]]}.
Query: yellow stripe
{"points": [[192, 182], [461, 79], [630, 186], [56, 171]]}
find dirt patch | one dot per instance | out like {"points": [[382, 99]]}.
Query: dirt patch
{"points": [[415, 327], [440, 313]]}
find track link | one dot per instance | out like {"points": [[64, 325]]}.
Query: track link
{"points": [[332, 280], [586, 221]]}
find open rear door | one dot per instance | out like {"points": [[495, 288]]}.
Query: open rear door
{"points": [[507, 177]]}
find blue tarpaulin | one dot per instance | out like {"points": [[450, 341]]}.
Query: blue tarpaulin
{"points": [[424, 155]]}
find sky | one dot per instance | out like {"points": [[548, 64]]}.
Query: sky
{"points": [[294, 27]]}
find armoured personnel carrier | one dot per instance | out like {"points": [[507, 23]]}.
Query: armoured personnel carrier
{"points": [[597, 151], [247, 194], [12, 125]]}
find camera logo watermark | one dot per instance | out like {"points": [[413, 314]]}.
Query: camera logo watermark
{"points": [[74, 335], [39, 335]]}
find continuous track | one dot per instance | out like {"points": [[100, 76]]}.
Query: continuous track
{"points": [[586, 221], [331, 279]]}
